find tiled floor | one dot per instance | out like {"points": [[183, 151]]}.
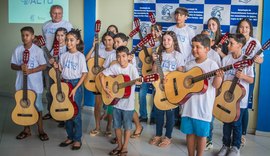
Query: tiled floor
{"points": [[99, 145]]}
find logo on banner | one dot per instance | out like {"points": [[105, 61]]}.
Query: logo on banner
{"points": [[216, 12], [166, 12], [244, 1], [192, 27], [191, 0], [144, 27]]}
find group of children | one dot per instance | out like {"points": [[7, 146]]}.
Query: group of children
{"points": [[180, 49]]}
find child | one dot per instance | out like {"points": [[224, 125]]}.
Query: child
{"points": [[171, 60], [197, 111], [234, 129], [33, 69], [124, 109], [183, 32], [213, 24], [107, 40], [113, 28], [73, 67], [60, 36], [245, 27]]}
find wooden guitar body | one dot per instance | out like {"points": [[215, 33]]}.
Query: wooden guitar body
{"points": [[146, 61], [227, 105], [25, 113]]}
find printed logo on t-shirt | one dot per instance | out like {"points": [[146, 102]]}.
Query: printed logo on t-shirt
{"points": [[168, 65], [71, 65], [50, 31], [181, 38]]}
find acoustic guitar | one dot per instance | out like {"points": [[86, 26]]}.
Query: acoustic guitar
{"points": [[94, 64], [25, 113], [227, 103], [63, 107], [180, 86], [120, 86]]}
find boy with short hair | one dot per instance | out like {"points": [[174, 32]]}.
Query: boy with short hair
{"points": [[124, 109], [33, 69], [246, 77], [197, 111]]}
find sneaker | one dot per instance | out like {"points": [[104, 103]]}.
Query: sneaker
{"points": [[209, 145], [223, 151], [234, 151]]}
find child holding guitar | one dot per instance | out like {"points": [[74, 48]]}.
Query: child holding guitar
{"points": [[107, 40], [197, 111], [245, 27], [73, 67], [33, 70], [171, 60], [246, 76], [124, 109]]}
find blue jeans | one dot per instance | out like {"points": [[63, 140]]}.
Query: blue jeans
{"points": [[142, 99], [245, 121], [74, 125], [234, 128], [160, 122], [209, 138]]}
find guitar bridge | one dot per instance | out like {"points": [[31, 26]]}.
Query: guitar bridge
{"points": [[175, 87], [163, 99], [61, 110], [24, 115], [224, 109], [92, 81]]}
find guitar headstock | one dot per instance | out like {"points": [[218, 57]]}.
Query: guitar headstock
{"points": [[97, 26], [146, 39], [250, 47], [266, 45], [26, 54], [40, 41], [223, 39], [55, 48], [137, 22], [243, 63], [152, 17], [134, 32], [150, 78]]}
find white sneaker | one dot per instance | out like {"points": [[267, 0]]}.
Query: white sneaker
{"points": [[234, 151], [209, 145], [223, 151]]}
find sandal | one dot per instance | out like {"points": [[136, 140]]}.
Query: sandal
{"points": [[135, 135], [164, 142], [23, 135], [47, 116], [123, 153], [43, 136], [76, 147], [155, 140], [66, 143], [108, 133], [94, 132], [114, 141], [115, 152]]}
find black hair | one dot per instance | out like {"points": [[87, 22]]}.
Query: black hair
{"points": [[29, 29], [203, 39], [218, 34], [250, 26], [181, 10], [77, 34], [108, 33], [239, 38], [123, 37], [122, 49], [115, 27], [60, 29]]}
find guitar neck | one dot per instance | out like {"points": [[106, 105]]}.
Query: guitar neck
{"points": [[146, 53], [47, 52], [134, 50], [210, 74], [96, 51], [25, 87], [58, 78], [159, 69], [130, 83]]}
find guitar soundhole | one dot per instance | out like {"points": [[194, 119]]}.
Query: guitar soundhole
{"points": [[60, 97], [228, 96], [25, 103], [188, 82], [115, 87], [148, 59], [96, 70]]}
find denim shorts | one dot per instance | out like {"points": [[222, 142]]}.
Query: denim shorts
{"points": [[38, 103], [193, 126], [122, 118]]}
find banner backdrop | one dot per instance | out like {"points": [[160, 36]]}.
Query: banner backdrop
{"points": [[229, 13]]}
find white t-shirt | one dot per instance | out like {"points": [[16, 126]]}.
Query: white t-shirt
{"points": [[116, 69], [36, 58], [184, 37], [171, 61], [73, 65], [213, 55], [200, 106], [103, 53], [229, 75], [256, 49], [62, 50], [112, 57], [49, 28]]}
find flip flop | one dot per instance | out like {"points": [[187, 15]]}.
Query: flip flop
{"points": [[43, 136], [94, 132], [23, 135], [115, 152], [135, 135]]}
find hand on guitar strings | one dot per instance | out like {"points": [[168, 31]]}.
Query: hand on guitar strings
{"points": [[219, 73], [258, 59], [108, 93]]}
